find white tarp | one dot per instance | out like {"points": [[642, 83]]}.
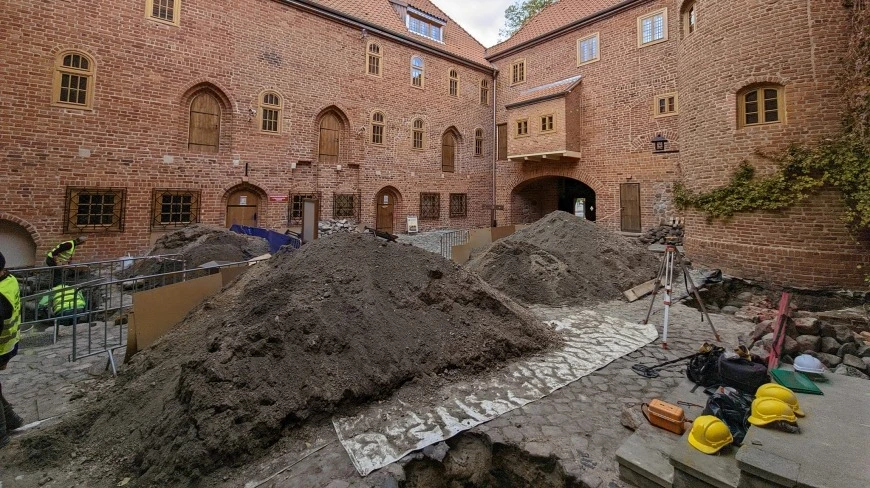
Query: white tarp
{"points": [[385, 432]]}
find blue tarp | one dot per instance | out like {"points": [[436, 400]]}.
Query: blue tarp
{"points": [[276, 240]]}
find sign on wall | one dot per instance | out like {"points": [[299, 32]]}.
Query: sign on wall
{"points": [[413, 228], [580, 207], [279, 198]]}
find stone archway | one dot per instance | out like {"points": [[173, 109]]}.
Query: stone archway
{"points": [[19, 247], [387, 202], [536, 197]]}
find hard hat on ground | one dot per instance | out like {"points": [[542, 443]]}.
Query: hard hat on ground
{"points": [[773, 390], [767, 410], [709, 434], [808, 364]]}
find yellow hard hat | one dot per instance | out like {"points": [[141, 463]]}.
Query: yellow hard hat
{"points": [[709, 434], [773, 390], [767, 410]]}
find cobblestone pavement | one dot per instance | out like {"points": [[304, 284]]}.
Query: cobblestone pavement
{"points": [[430, 241], [579, 423]]}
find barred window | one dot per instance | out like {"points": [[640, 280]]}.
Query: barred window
{"points": [[163, 10], [454, 83], [373, 59], [174, 208], [458, 205], [430, 205], [74, 80], [295, 210], [377, 128], [417, 134], [344, 206], [94, 209], [478, 142], [271, 106], [484, 92]]}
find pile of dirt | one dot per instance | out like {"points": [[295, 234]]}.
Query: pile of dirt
{"points": [[200, 244], [565, 260], [342, 321]]}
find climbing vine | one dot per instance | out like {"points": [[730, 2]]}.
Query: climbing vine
{"points": [[841, 163]]}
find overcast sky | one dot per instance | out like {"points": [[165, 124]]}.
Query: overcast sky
{"points": [[481, 18]]}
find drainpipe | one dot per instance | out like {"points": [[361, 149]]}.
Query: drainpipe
{"points": [[493, 221]]}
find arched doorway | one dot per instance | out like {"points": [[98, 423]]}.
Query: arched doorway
{"points": [[243, 208], [18, 246], [386, 203], [535, 198], [330, 139]]}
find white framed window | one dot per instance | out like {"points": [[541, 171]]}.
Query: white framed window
{"points": [[587, 49], [652, 28], [666, 105], [421, 24]]}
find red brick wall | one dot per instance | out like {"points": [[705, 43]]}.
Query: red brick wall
{"points": [[146, 72], [614, 106], [796, 44]]}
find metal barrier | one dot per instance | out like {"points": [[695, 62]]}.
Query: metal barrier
{"points": [[451, 239]]}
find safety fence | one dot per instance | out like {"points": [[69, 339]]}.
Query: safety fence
{"points": [[450, 239]]}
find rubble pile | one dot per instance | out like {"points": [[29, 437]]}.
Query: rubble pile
{"points": [[657, 235], [840, 339], [334, 226], [341, 322], [562, 260]]}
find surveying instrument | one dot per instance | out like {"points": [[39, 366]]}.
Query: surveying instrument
{"points": [[666, 275]]}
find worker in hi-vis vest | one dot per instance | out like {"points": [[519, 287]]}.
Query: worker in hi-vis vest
{"points": [[63, 252], [10, 318], [66, 302]]}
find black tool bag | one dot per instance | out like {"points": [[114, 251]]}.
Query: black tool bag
{"points": [[703, 369], [733, 408], [742, 374]]}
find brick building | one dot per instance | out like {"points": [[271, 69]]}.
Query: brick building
{"points": [[142, 115]]}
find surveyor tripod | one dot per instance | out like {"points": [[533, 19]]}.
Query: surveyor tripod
{"points": [[671, 259]]}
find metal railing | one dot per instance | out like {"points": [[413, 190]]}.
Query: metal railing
{"points": [[450, 239]]}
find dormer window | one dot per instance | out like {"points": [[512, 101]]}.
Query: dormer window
{"points": [[424, 24]]}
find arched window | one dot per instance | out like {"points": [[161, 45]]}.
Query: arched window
{"points": [[760, 104], [417, 134], [484, 92], [74, 80], [454, 83], [417, 71], [689, 18], [478, 142], [330, 138], [377, 128], [373, 58], [271, 107], [205, 123], [448, 153]]}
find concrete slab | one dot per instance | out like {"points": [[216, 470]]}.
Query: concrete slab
{"points": [[830, 451], [694, 468]]}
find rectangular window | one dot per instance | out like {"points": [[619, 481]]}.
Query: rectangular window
{"points": [[484, 92], [518, 72], [666, 105], [502, 141], [547, 123], [100, 209], [522, 127], [424, 27], [174, 208], [430, 205], [295, 209], [458, 205], [344, 206], [377, 134], [652, 28], [270, 120], [163, 10], [587, 49]]}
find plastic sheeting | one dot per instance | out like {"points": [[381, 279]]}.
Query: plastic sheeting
{"points": [[276, 241], [385, 432]]}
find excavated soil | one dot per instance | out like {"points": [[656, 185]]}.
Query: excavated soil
{"points": [[343, 321], [565, 260], [200, 244]]}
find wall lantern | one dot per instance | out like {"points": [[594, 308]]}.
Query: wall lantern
{"points": [[659, 142]]}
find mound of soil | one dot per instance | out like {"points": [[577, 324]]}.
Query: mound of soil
{"points": [[342, 321], [565, 260], [200, 244]]}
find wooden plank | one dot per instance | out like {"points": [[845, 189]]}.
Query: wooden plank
{"points": [[779, 327], [640, 290]]}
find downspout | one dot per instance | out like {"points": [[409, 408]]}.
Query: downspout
{"points": [[493, 222]]}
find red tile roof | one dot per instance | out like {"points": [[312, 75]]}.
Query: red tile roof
{"points": [[381, 13], [545, 92], [557, 15]]}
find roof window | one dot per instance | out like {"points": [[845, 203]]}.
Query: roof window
{"points": [[424, 24]]}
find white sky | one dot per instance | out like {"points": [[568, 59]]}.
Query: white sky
{"points": [[481, 18]]}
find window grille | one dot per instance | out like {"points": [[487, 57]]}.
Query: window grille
{"points": [[174, 208], [430, 206], [345, 206], [100, 209], [458, 205]]}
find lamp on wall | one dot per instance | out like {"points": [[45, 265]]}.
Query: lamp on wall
{"points": [[659, 143]]}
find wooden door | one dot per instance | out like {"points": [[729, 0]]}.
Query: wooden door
{"points": [[629, 200], [242, 209], [385, 208], [502, 142], [448, 153], [205, 123], [330, 139]]}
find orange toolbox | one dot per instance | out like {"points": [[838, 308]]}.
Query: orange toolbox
{"points": [[665, 415]]}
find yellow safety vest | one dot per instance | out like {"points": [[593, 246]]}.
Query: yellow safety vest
{"points": [[9, 334], [65, 298], [63, 256]]}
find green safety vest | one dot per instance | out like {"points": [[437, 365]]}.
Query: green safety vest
{"points": [[63, 256], [64, 298], [9, 334]]}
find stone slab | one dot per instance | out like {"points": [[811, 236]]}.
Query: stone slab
{"points": [[830, 451], [719, 470]]}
